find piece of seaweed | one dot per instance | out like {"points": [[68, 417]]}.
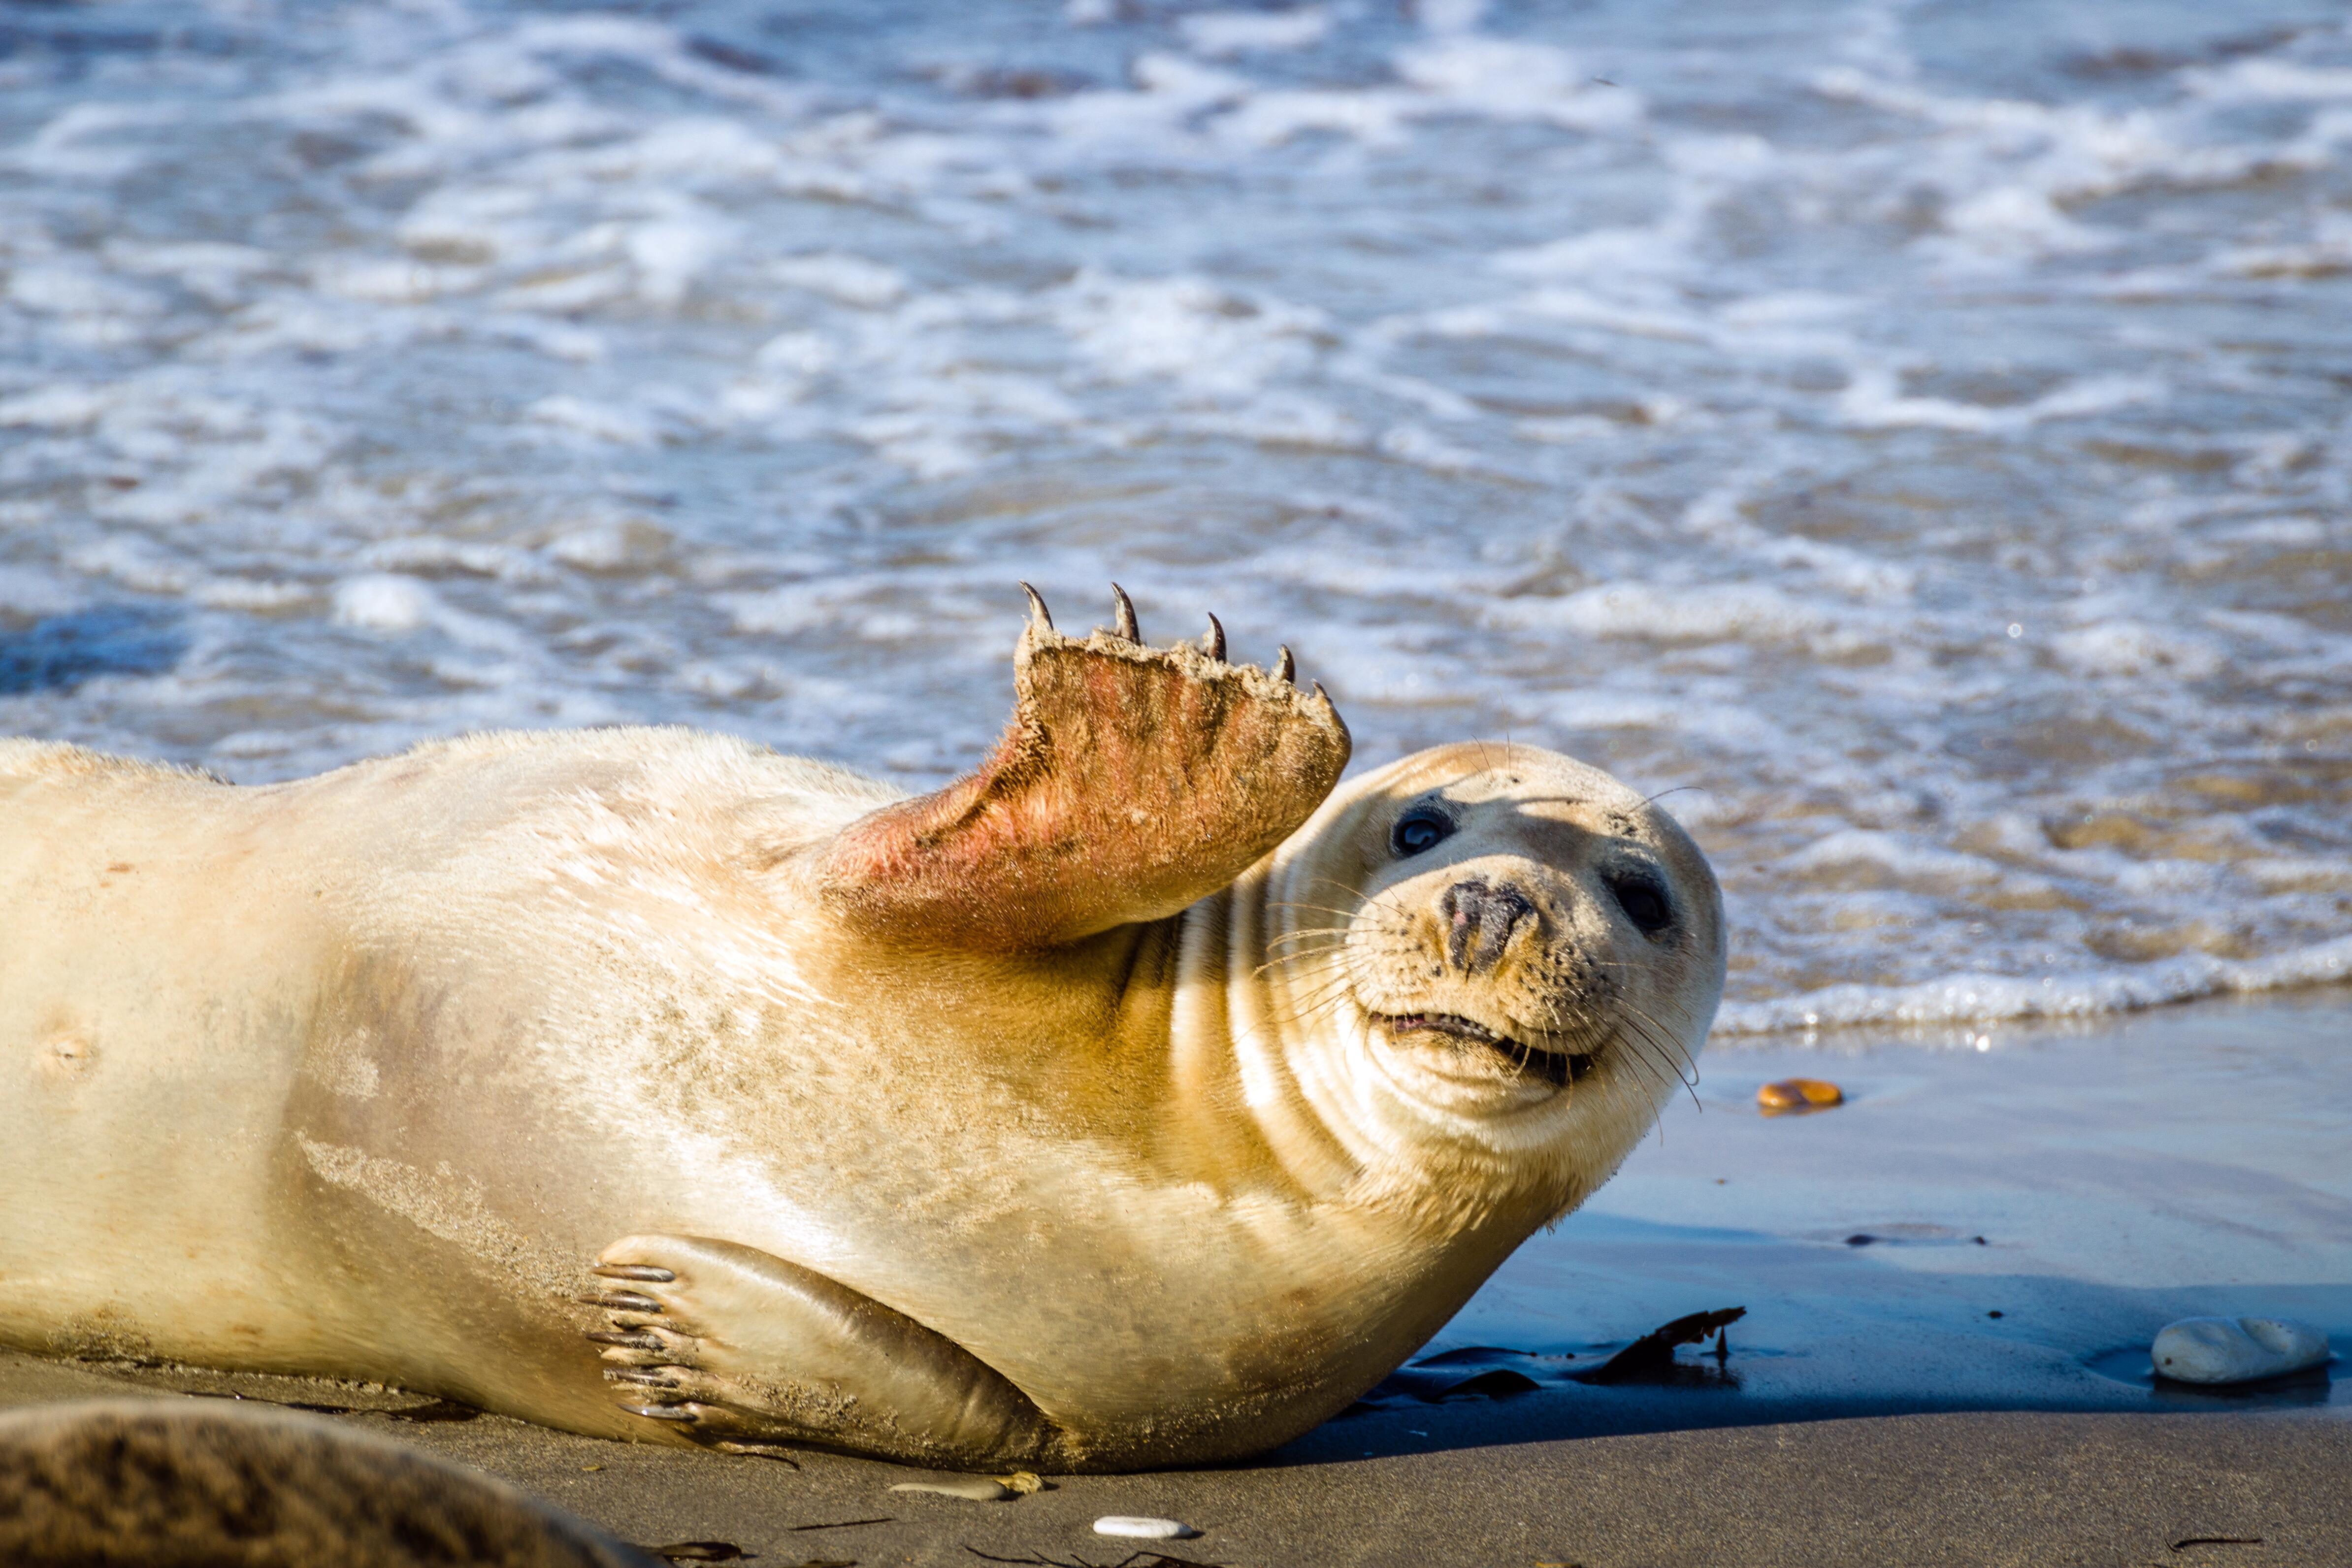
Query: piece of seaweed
{"points": [[1652, 1357]]}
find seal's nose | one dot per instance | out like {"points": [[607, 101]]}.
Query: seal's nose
{"points": [[1479, 921]]}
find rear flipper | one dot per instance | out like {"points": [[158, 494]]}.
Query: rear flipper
{"points": [[732, 1346]]}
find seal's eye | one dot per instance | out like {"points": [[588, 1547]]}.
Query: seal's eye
{"points": [[1418, 829], [1644, 901]]}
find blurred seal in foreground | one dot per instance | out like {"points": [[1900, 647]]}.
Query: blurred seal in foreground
{"points": [[152, 1483], [1134, 1100]]}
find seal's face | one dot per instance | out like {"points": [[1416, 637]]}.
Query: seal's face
{"points": [[1515, 954]]}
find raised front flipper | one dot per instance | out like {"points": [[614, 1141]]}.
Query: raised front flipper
{"points": [[730, 1344], [1132, 781]]}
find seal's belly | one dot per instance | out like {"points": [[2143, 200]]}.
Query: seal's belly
{"points": [[150, 1014]]}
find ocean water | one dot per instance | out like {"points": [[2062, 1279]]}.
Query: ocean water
{"points": [[1913, 434]]}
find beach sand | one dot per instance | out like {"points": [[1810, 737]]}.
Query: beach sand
{"points": [[1869, 1409]]}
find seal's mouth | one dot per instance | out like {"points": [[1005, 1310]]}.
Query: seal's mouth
{"points": [[1556, 1067]]}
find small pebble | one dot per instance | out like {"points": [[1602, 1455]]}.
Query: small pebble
{"points": [[1143, 1529], [1798, 1094], [2236, 1350], [975, 1488]]}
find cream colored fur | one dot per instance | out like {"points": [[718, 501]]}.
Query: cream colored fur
{"points": [[354, 1076]]}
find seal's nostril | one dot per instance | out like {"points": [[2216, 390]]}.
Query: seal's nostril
{"points": [[1479, 921]]}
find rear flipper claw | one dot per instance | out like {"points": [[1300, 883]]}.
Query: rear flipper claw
{"points": [[684, 1413], [620, 1302], [638, 1271], [645, 1377]]}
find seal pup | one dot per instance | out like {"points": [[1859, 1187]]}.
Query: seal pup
{"points": [[1133, 1100], [160, 1483]]}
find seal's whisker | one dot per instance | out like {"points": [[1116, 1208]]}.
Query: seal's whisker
{"points": [[1669, 1059], [1684, 1068], [1330, 933], [1641, 1059], [1354, 892], [1299, 956], [1330, 1004], [1337, 975], [1372, 939], [1336, 982], [1345, 914], [1664, 1045], [1301, 953]]}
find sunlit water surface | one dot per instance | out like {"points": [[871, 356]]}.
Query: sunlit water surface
{"points": [[1914, 433]]}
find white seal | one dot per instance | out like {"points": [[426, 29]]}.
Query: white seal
{"points": [[1135, 1101]]}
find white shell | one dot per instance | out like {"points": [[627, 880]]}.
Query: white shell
{"points": [[1147, 1529], [2236, 1350]]}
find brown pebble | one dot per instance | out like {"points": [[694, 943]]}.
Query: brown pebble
{"points": [[1800, 1095]]}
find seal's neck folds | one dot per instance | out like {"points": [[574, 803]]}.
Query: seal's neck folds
{"points": [[1274, 1064]]}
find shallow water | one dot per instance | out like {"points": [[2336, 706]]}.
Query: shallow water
{"points": [[2003, 1229], [1915, 431]]}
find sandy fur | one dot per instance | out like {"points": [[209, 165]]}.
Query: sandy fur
{"points": [[354, 1075]]}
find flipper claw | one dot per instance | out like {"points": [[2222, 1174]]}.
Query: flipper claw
{"points": [[661, 1412], [1037, 611], [642, 1377], [1216, 641], [1124, 624], [621, 1302], [643, 1273], [625, 1339], [1285, 667]]}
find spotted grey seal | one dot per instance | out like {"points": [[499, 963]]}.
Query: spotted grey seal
{"points": [[1134, 1100]]}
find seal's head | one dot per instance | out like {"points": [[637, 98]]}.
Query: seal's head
{"points": [[1497, 961]]}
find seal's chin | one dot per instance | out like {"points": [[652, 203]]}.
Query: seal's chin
{"points": [[1559, 1067]]}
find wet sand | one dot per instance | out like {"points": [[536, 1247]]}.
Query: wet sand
{"points": [[2121, 1173], [1982, 1487], [1869, 1408]]}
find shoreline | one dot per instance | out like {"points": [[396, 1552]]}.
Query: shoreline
{"points": [[1975, 1002]]}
